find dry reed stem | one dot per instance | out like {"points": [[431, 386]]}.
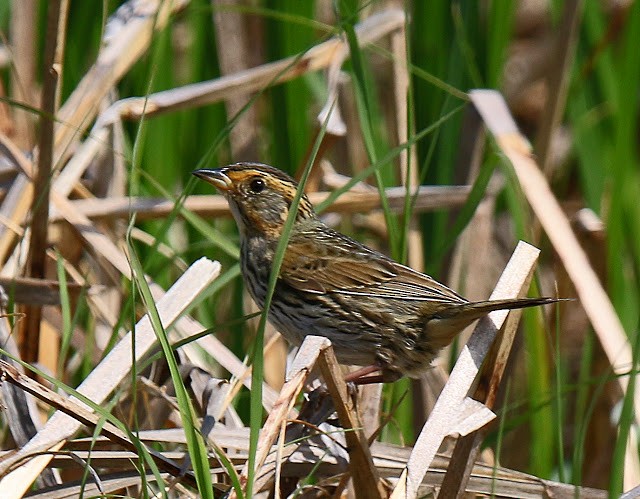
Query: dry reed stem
{"points": [[494, 111], [365, 476], [109, 373], [429, 198], [389, 460], [79, 412], [251, 80], [558, 80], [408, 157], [29, 333], [15, 205], [65, 182], [23, 33], [124, 42], [302, 365], [467, 447], [39, 291], [330, 115], [236, 52], [454, 395]]}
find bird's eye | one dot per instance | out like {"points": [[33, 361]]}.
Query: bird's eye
{"points": [[257, 185]]}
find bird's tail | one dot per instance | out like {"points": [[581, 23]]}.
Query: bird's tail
{"points": [[444, 325], [475, 310]]}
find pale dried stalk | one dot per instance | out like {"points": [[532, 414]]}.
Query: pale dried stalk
{"points": [[107, 375], [429, 198], [389, 460], [365, 476], [495, 113], [235, 51], [302, 366], [251, 80], [23, 49], [443, 419], [558, 80], [467, 447], [125, 41], [277, 417]]}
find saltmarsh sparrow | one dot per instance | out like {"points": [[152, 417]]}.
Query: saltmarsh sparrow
{"points": [[376, 312]]}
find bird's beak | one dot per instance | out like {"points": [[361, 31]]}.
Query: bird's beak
{"points": [[215, 177]]}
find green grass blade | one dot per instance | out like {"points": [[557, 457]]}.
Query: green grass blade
{"points": [[195, 443], [582, 419], [103, 410], [559, 401], [369, 116], [360, 176], [258, 357], [627, 420], [65, 307]]}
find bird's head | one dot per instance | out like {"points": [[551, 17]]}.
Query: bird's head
{"points": [[259, 196]]}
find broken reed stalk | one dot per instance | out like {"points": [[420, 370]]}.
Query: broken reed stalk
{"points": [[603, 317], [86, 417], [107, 375], [128, 34], [29, 338], [317, 350], [454, 401], [427, 198], [467, 447]]}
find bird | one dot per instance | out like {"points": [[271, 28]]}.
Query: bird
{"points": [[379, 314]]}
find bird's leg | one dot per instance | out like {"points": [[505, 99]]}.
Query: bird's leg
{"points": [[362, 376], [369, 380]]}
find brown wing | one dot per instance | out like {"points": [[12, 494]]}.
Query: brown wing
{"points": [[334, 263]]}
